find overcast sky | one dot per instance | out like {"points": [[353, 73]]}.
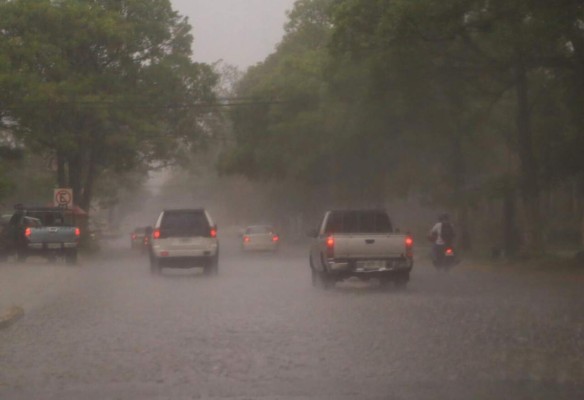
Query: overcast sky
{"points": [[241, 32]]}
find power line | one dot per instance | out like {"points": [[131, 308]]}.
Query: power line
{"points": [[218, 103]]}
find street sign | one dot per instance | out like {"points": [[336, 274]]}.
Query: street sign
{"points": [[63, 198]]}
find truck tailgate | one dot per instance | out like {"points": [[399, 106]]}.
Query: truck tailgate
{"points": [[369, 246], [58, 234]]}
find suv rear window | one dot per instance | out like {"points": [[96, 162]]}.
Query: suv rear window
{"points": [[185, 224], [258, 230], [358, 222]]}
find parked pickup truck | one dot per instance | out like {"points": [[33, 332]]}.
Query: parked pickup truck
{"points": [[359, 243], [44, 231]]}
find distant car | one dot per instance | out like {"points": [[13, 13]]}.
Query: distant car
{"points": [[260, 238], [184, 238], [137, 238]]}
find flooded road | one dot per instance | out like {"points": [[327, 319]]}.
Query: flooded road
{"points": [[108, 329]]}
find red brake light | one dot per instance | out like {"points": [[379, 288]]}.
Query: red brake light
{"points": [[449, 252], [213, 233], [246, 239], [133, 236], [27, 232], [77, 232], [156, 234], [330, 246], [330, 242], [275, 238], [409, 247]]}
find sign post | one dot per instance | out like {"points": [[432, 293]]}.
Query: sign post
{"points": [[63, 198]]}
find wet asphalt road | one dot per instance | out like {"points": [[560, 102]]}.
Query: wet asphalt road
{"points": [[261, 331]]}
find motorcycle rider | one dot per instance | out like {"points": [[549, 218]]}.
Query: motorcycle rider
{"points": [[442, 236]]}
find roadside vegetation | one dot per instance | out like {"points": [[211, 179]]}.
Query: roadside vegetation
{"points": [[471, 107], [100, 88]]}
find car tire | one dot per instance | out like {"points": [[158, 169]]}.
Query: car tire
{"points": [[322, 280], [21, 256], [155, 268], [386, 282], [313, 273], [212, 269], [71, 257], [401, 281]]}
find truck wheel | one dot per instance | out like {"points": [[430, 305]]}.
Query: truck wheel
{"points": [[212, 269], [313, 273], [71, 257], [401, 281], [155, 268], [315, 278], [322, 280], [385, 282], [21, 256]]}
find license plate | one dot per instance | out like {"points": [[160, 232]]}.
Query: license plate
{"points": [[373, 264], [54, 245]]}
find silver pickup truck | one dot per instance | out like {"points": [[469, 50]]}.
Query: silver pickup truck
{"points": [[359, 243], [43, 231]]}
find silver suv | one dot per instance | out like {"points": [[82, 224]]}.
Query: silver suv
{"points": [[184, 238]]}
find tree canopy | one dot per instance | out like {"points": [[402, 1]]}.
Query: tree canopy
{"points": [[456, 103], [100, 85]]}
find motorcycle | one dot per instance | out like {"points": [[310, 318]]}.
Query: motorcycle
{"points": [[445, 258]]}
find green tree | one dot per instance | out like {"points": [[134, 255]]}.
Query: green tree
{"points": [[101, 85]]}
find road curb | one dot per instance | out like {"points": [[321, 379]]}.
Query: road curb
{"points": [[10, 315]]}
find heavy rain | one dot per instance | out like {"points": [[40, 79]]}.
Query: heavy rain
{"points": [[292, 199]]}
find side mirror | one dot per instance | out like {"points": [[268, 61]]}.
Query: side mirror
{"points": [[312, 233]]}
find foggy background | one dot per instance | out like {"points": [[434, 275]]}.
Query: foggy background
{"points": [[239, 32]]}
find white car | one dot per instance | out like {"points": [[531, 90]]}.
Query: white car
{"points": [[260, 238], [184, 238]]}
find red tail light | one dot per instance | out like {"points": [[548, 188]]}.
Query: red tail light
{"points": [[246, 239], [275, 238], [330, 246], [409, 246], [133, 236], [27, 233], [449, 252], [156, 234], [77, 232], [213, 233]]}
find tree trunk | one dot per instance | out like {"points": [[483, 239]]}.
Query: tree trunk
{"points": [[75, 172], [579, 192], [61, 173], [510, 239], [530, 191], [85, 201]]}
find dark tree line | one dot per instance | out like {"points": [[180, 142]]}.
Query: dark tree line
{"points": [[473, 106]]}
